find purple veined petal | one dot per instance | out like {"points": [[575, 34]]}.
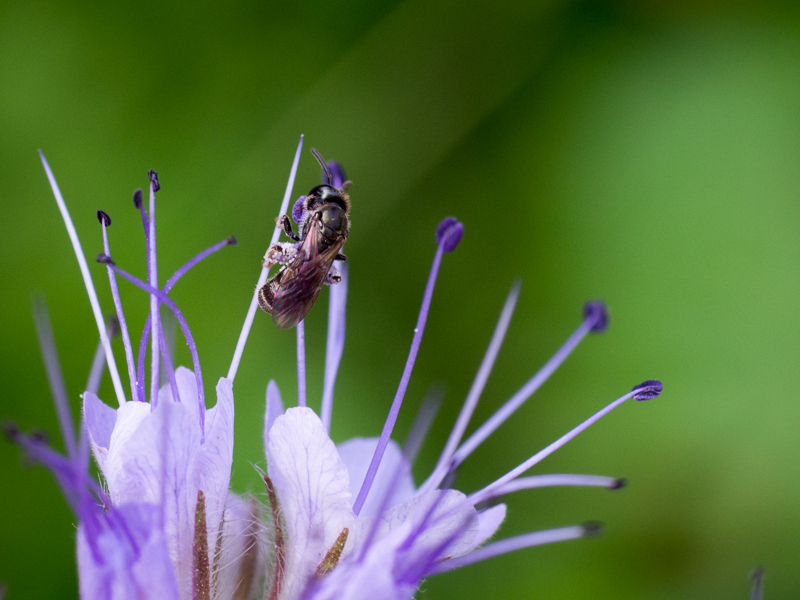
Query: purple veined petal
{"points": [[443, 466], [491, 489], [527, 540], [119, 572], [445, 236], [105, 222], [55, 378], [337, 305], [301, 363], [313, 487], [274, 410], [394, 471], [262, 278], [87, 280], [526, 391]]}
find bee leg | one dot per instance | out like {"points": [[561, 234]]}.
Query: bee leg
{"points": [[281, 253], [286, 225], [333, 276], [265, 297], [341, 257]]}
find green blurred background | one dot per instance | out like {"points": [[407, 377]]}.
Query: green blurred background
{"points": [[642, 152]]}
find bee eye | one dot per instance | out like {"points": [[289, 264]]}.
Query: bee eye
{"points": [[332, 217]]}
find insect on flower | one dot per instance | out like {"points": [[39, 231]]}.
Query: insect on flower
{"points": [[323, 221]]}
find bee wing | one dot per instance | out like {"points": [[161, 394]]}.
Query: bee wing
{"points": [[302, 279]]}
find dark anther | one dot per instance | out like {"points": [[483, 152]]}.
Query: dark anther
{"points": [[103, 217], [619, 483], [112, 326], [232, 241], [596, 309], [647, 390], [11, 431], [40, 437], [154, 179], [137, 198], [592, 529], [449, 233], [105, 259]]}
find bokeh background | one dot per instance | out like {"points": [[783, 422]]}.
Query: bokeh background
{"points": [[646, 153]]}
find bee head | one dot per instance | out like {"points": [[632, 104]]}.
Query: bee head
{"points": [[326, 194]]}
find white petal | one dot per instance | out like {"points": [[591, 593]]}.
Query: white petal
{"points": [[274, 410], [314, 492], [357, 455]]}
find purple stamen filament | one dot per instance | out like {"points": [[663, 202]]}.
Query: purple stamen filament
{"points": [[442, 467], [522, 395], [492, 489], [527, 540], [337, 303], [539, 481], [401, 390], [126, 340], [301, 364], [153, 280], [159, 295], [166, 289]]}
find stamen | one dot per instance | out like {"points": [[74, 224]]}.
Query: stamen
{"points": [[301, 364], [647, 390], [52, 367], [167, 361], [591, 320], [490, 489], [539, 481], [442, 467], [152, 278], [526, 540], [757, 584], [448, 234], [166, 289], [279, 541], [332, 556], [422, 423], [201, 575], [162, 297], [262, 278], [87, 280], [339, 178], [337, 303], [105, 221], [99, 359]]}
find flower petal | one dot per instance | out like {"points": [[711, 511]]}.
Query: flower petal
{"points": [[131, 561], [313, 487], [274, 410], [488, 522], [100, 420], [393, 471]]}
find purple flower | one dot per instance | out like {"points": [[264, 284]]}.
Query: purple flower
{"points": [[345, 522]]}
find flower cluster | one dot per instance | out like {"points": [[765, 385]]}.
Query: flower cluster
{"points": [[344, 522]]}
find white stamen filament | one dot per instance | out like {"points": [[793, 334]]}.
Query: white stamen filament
{"points": [[262, 278], [87, 281]]}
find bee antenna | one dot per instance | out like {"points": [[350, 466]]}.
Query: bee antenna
{"points": [[323, 165]]}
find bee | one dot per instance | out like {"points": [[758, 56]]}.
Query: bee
{"points": [[323, 223]]}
